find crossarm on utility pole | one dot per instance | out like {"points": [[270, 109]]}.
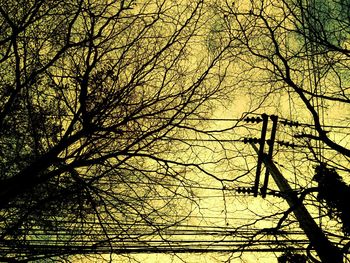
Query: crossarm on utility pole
{"points": [[274, 119], [327, 252]]}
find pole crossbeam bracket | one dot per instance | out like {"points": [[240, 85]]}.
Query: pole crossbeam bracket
{"points": [[271, 141], [260, 153]]}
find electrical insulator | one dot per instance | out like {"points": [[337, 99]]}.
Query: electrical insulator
{"points": [[275, 193], [245, 190], [287, 144], [296, 124], [253, 119], [284, 122], [255, 140], [290, 123], [251, 140]]}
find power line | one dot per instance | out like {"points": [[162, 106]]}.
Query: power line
{"points": [[282, 120]]}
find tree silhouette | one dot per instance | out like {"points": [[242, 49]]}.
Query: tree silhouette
{"points": [[101, 109], [91, 94], [294, 63]]}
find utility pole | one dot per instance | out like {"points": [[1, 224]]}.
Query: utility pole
{"points": [[260, 152], [327, 252]]}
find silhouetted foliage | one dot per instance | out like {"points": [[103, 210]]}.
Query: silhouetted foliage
{"points": [[291, 257], [336, 194]]}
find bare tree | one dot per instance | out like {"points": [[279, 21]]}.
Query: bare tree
{"points": [[294, 62], [92, 93], [300, 49]]}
